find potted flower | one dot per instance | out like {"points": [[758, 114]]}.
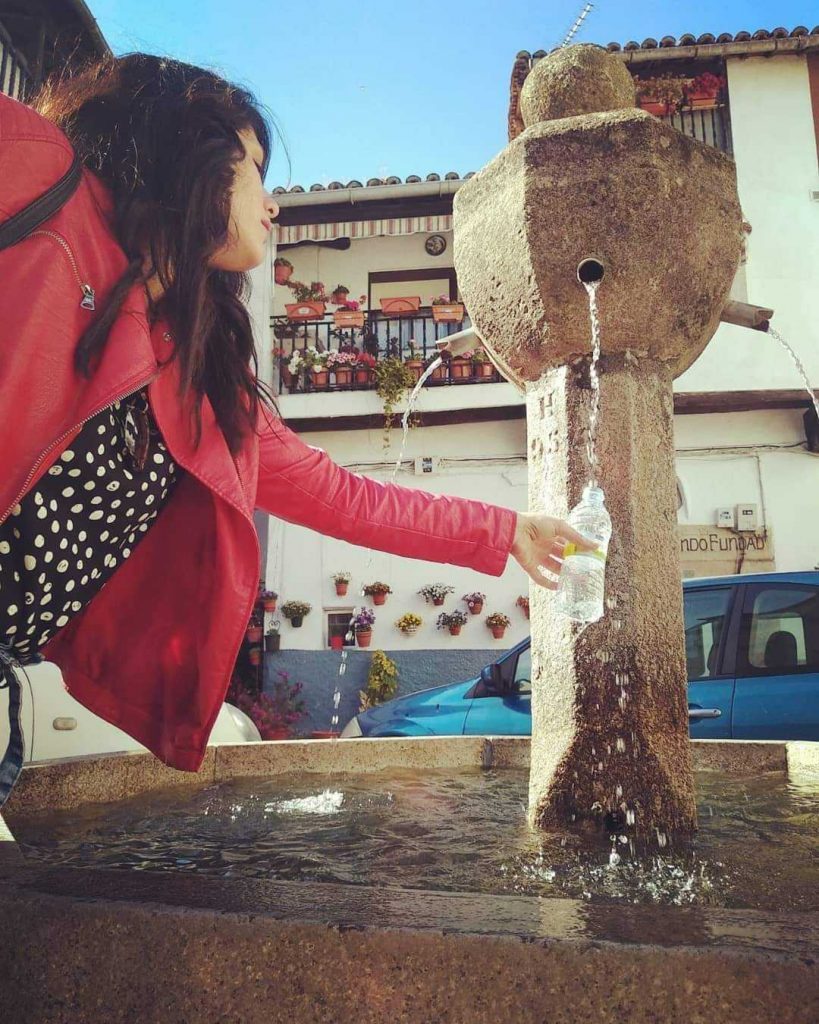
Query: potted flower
{"points": [[364, 368], [275, 714], [378, 592], [436, 592], [453, 621], [268, 600], [282, 269], [295, 611], [341, 364], [703, 90], [414, 363], [315, 363], [400, 305], [498, 623], [409, 623], [254, 631], [460, 367], [523, 603], [273, 638], [661, 95], [363, 623], [255, 655], [482, 365], [350, 314], [445, 311], [339, 294], [474, 602], [342, 581], [310, 301], [295, 365]]}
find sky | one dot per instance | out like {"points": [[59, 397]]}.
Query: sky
{"points": [[377, 89]]}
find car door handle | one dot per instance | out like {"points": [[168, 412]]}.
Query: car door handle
{"points": [[704, 713]]}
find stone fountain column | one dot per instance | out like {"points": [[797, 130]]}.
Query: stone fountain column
{"points": [[593, 178]]}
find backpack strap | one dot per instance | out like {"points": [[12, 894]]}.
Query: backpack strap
{"points": [[41, 209]]}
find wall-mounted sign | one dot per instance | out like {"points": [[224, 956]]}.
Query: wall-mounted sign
{"points": [[710, 551]]}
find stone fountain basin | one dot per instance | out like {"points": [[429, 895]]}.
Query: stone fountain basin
{"points": [[94, 945]]}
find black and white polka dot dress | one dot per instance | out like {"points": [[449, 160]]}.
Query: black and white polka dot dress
{"points": [[80, 521]]}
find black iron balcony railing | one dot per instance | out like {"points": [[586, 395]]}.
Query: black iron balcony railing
{"points": [[404, 337], [711, 126], [15, 80]]}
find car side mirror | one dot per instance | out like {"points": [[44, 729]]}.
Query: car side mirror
{"points": [[491, 678]]}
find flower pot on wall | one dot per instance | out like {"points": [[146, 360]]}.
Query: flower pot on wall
{"points": [[269, 604], [337, 642], [363, 637], [498, 632], [484, 370], [319, 378], [254, 634], [255, 655], [363, 376], [341, 589], [272, 642], [343, 378], [476, 607], [400, 305], [309, 310], [448, 313], [296, 621], [379, 598], [409, 630], [455, 630], [282, 274], [438, 601]]}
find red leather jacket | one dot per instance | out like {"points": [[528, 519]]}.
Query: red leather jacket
{"points": [[154, 650]]}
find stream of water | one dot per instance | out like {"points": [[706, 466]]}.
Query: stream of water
{"points": [[800, 369]]}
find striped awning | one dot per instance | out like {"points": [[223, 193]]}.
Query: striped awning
{"points": [[364, 229]]}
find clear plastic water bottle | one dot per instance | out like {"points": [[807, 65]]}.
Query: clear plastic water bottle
{"points": [[583, 576]]}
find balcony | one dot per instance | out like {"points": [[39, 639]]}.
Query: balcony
{"points": [[711, 125], [15, 80], [380, 337]]}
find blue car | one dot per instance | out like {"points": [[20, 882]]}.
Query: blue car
{"points": [[752, 646]]}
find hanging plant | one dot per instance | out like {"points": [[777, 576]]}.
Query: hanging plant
{"points": [[409, 623], [474, 601], [363, 624], [282, 269], [342, 581], [295, 611], [453, 621], [378, 592], [436, 592], [392, 382], [498, 623], [523, 603]]}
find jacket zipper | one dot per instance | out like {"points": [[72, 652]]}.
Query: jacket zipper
{"points": [[88, 296], [62, 437]]}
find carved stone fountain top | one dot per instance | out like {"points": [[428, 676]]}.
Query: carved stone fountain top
{"points": [[592, 176]]}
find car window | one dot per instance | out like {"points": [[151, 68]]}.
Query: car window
{"points": [[780, 629], [522, 683], [705, 615]]}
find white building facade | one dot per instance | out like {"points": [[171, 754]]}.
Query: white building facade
{"points": [[743, 432]]}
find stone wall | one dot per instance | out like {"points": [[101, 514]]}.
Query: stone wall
{"points": [[417, 670]]}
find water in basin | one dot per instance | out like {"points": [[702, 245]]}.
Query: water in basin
{"points": [[757, 846]]}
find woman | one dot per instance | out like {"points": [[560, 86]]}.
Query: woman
{"points": [[136, 439]]}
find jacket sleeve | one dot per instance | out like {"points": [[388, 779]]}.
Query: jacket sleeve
{"points": [[302, 485]]}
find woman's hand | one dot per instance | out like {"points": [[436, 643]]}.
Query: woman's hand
{"points": [[539, 542]]}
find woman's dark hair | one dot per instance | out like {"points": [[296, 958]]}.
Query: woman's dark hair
{"points": [[163, 137]]}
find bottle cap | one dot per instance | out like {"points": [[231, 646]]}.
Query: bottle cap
{"points": [[593, 494]]}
